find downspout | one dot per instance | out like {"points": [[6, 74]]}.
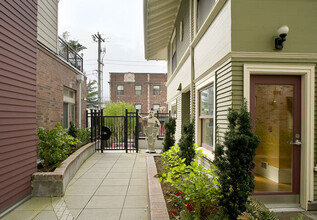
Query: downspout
{"points": [[80, 78], [192, 62]]}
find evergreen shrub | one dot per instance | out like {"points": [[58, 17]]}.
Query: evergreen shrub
{"points": [[169, 138]]}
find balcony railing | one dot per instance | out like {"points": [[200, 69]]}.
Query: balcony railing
{"points": [[69, 54]]}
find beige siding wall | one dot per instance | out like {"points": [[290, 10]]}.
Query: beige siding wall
{"points": [[215, 43], [182, 76], [315, 156], [47, 30], [178, 131], [255, 23]]}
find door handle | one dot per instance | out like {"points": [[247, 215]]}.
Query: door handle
{"points": [[297, 142]]}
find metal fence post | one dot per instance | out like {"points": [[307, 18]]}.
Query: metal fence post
{"points": [[126, 131], [137, 130], [101, 125]]}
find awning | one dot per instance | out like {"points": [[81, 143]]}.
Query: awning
{"points": [[159, 19]]}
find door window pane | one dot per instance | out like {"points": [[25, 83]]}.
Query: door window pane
{"points": [[274, 126]]}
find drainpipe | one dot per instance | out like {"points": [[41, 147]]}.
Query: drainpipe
{"points": [[80, 78]]}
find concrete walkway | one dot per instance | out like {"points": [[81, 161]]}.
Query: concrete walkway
{"points": [[108, 186]]}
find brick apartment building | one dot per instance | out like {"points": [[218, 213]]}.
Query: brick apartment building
{"points": [[145, 91]]}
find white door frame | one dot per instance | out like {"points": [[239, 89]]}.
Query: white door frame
{"points": [[307, 73]]}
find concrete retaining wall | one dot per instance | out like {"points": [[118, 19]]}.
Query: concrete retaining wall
{"points": [[55, 183]]}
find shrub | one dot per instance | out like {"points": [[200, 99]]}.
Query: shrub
{"points": [[83, 135], [72, 130], [54, 146], [234, 160], [257, 210], [186, 144], [198, 186], [169, 138]]}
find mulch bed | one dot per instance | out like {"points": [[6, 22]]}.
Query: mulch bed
{"points": [[167, 190]]}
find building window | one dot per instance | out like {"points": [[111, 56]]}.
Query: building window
{"points": [[203, 10], [206, 115], [138, 90], [156, 107], [156, 90], [68, 106], [138, 107], [120, 90], [173, 51], [174, 110]]}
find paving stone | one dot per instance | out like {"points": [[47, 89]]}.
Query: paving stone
{"points": [[109, 202], [102, 214], [136, 202], [115, 182], [134, 214], [111, 191]]}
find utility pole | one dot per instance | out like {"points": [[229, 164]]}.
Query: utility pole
{"points": [[97, 38]]}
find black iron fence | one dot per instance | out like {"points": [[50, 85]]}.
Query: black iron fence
{"points": [[114, 132], [69, 54]]}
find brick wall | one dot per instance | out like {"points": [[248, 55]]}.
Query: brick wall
{"points": [[147, 81], [52, 75]]}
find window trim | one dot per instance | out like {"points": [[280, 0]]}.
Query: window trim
{"points": [[172, 53]]}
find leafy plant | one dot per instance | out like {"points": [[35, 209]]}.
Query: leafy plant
{"points": [[54, 146], [234, 160], [83, 135], [117, 126], [255, 209], [169, 138], [72, 130], [186, 144]]}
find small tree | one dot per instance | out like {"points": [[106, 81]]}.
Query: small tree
{"points": [[234, 160], [117, 126], [92, 94], [169, 138], [186, 144]]}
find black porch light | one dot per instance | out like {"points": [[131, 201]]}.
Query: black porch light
{"points": [[282, 33]]}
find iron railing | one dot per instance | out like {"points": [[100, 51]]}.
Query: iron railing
{"points": [[69, 54]]}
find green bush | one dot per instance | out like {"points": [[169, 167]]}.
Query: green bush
{"points": [[83, 135], [255, 209], [186, 144], [117, 126], [234, 160], [169, 138], [198, 186], [72, 130], [54, 146]]}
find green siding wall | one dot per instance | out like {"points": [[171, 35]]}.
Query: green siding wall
{"points": [[255, 22], [229, 93]]}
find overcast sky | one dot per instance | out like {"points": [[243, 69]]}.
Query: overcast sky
{"points": [[120, 23]]}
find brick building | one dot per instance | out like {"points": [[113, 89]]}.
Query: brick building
{"points": [[61, 85], [145, 91]]}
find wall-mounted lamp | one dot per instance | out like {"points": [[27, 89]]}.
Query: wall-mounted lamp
{"points": [[179, 87], [281, 32]]}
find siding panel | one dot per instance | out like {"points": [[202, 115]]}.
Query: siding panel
{"points": [[47, 23], [17, 99]]}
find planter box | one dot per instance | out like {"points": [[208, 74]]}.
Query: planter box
{"points": [[55, 183], [157, 205]]}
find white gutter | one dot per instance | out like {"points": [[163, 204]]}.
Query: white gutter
{"points": [[80, 78]]}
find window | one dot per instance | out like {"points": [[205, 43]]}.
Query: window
{"points": [[68, 106], [156, 107], [203, 9], [68, 114], [138, 107], [138, 90], [120, 90], [174, 61], [156, 90], [174, 110], [206, 115]]}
